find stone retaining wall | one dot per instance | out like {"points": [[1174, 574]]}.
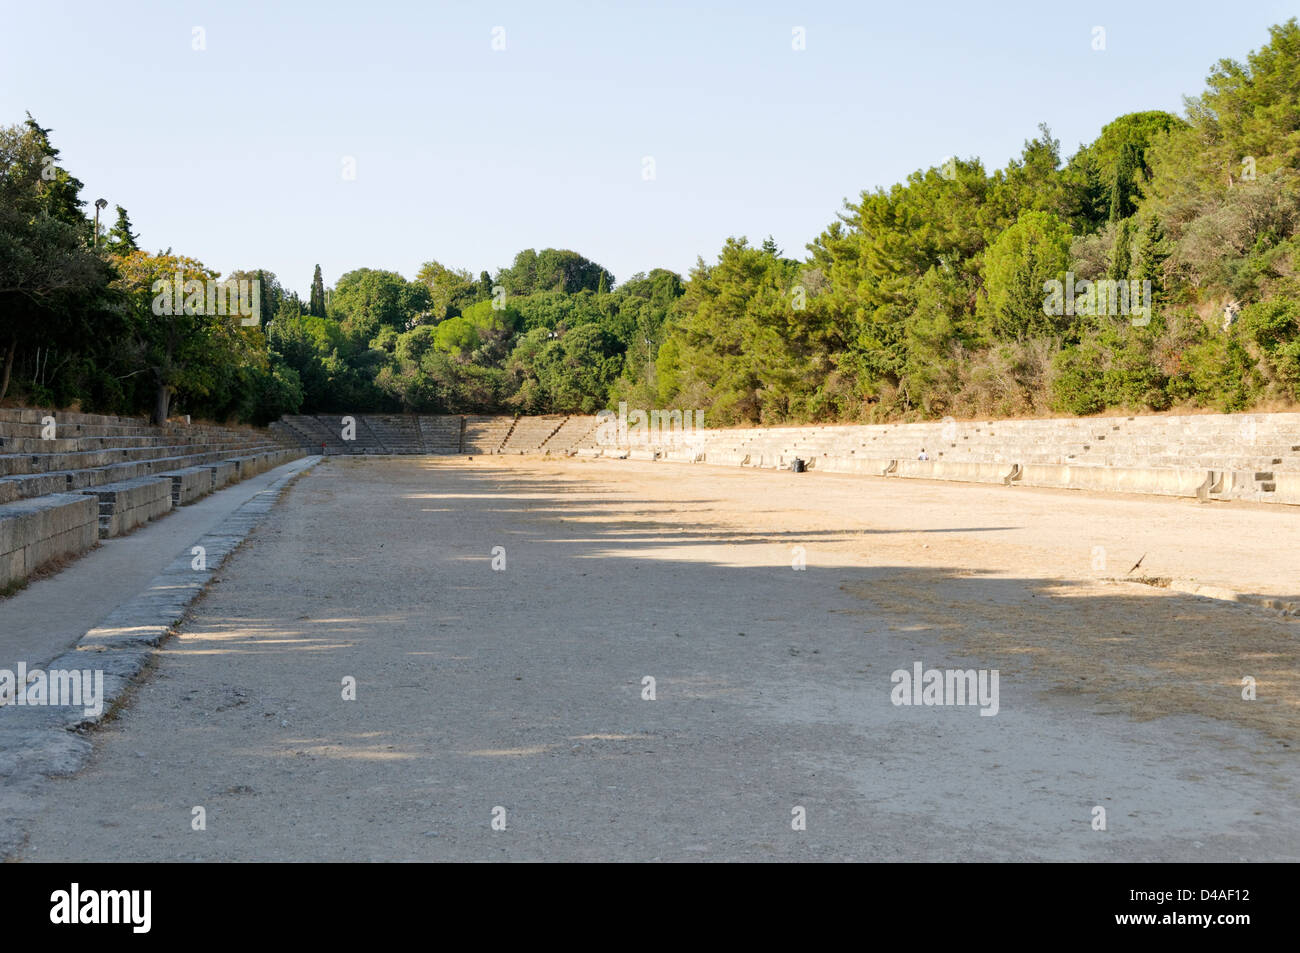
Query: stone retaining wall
{"points": [[35, 532]]}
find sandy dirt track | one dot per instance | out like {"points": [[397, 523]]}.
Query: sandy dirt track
{"points": [[522, 688]]}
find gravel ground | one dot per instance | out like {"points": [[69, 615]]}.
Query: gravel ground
{"points": [[522, 689]]}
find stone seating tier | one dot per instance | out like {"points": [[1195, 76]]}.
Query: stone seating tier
{"points": [[103, 476]]}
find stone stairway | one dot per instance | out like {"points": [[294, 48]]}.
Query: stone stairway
{"points": [[440, 434], [484, 434], [530, 434]]}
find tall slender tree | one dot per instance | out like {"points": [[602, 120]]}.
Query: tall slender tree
{"points": [[1124, 191], [1121, 260], [317, 304]]}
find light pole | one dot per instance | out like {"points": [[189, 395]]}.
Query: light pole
{"points": [[99, 203]]}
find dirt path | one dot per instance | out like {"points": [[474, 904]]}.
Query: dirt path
{"points": [[522, 689]]}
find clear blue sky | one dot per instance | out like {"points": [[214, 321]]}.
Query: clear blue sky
{"points": [[234, 154]]}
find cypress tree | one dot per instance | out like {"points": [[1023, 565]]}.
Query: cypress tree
{"points": [[317, 304], [1126, 173], [1121, 259], [268, 303], [1151, 255]]}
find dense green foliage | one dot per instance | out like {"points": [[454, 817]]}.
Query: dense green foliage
{"points": [[925, 299]]}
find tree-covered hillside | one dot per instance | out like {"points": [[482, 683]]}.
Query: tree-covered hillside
{"points": [[926, 299]]}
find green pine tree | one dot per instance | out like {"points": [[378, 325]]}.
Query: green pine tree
{"points": [[121, 239]]}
